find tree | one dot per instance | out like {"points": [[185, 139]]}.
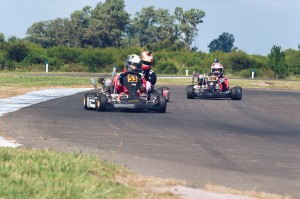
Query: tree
{"points": [[277, 62], [58, 30], [152, 26], [107, 24], [39, 33], [224, 43], [2, 38], [78, 24], [187, 24], [293, 60]]}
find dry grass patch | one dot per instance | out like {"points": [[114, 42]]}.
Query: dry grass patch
{"points": [[147, 181], [5, 136], [145, 185]]}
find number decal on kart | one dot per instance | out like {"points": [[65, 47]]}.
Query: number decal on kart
{"points": [[132, 78], [212, 78]]}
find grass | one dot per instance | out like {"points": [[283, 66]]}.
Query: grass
{"points": [[48, 174], [43, 81], [40, 80], [29, 173]]}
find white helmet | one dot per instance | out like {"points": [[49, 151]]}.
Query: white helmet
{"points": [[133, 63], [217, 68]]}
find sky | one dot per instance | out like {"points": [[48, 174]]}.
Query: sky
{"points": [[257, 25]]}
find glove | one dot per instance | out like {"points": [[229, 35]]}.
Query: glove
{"points": [[142, 75], [148, 86], [221, 80], [101, 80]]}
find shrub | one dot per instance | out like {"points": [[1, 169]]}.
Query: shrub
{"points": [[166, 67]]}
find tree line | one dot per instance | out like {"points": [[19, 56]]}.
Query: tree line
{"points": [[95, 39], [109, 25]]}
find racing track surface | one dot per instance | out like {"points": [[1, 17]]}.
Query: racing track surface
{"points": [[250, 144]]}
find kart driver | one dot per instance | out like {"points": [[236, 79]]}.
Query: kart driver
{"points": [[132, 63], [217, 70], [149, 75]]}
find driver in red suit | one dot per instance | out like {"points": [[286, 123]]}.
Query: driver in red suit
{"points": [[132, 63], [217, 70]]}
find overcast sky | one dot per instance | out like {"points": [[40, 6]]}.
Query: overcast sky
{"points": [[257, 25]]}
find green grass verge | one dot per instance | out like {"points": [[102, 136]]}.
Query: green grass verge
{"points": [[28, 173], [43, 81], [59, 79]]}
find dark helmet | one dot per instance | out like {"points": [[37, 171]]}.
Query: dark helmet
{"points": [[216, 60]]}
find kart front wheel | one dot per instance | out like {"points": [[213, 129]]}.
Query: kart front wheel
{"points": [[86, 98], [162, 104], [101, 102], [189, 92], [236, 93]]}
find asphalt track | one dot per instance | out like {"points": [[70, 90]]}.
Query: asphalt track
{"points": [[251, 144]]}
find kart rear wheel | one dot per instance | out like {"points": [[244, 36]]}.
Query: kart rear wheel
{"points": [[236, 93], [101, 102], [85, 100], [189, 92], [162, 104]]}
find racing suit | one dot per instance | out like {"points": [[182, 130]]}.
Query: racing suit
{"points": [[118, 83], [150, 80], [223, 82]]}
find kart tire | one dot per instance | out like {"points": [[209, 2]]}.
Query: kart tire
{"points": [[101, 102], [189, 92], [236, 93], [85, 99], [162, 104]]}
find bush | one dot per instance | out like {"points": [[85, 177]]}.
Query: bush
{"points": [[17, 51], [73, 68], [3, 58], [239, 61], [166, 67], [66, 54], [97, 59], [263, 73]]}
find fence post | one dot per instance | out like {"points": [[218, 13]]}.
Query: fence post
{"points": [[46, 65]]}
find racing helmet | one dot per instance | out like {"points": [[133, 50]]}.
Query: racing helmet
{"points": [[217, 68], [147, 60], [133, 63]]}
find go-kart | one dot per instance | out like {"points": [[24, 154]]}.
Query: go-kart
{"points": [[107, 97], [209, 87]]}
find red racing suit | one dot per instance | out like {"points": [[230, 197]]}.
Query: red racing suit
{"points": [[224, 84], [117, 82]]}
